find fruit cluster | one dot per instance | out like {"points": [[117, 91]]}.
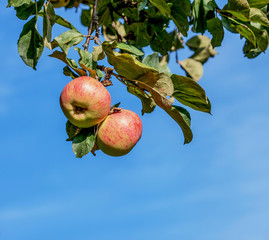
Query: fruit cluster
{"points": [[86, 103]]}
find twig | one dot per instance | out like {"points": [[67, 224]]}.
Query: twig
{"points": [[94, 21]]}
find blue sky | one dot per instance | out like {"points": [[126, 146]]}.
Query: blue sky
{"points": [[216, 187]]}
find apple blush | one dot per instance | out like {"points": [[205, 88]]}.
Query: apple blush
{"points": [[119, 133], [85, 102]]}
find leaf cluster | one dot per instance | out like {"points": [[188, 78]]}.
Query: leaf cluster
{"points": [[128, 28]]}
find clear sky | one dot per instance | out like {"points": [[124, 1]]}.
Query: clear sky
{"points": [[215, 188]]}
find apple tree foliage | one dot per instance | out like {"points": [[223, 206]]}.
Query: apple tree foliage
{"points": [[130, 26]]}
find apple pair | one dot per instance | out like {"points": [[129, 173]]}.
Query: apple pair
{"points": [[86, 103]]}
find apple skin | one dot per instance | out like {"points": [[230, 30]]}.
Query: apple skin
{"points": [[119, 133], [59, 3], [85, 102]]}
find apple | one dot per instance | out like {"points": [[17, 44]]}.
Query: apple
{"points": [[59, 3], [85, 102], [119, 133]]}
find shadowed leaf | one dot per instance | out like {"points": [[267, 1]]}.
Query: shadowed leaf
{"points": [[84, 142], [190, 93], [30, 44]]}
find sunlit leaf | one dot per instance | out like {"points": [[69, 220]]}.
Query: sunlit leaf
{"points": [[256, 15], [18, 3], [68, 39], [86, 61], [125, 64], [193, 68], [98, 53], [130, 48]]}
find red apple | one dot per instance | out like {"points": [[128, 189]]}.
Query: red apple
{"points": [[119, 133], [85, 102]]}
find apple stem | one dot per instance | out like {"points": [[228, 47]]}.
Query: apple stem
{"points": [[114, 110]]}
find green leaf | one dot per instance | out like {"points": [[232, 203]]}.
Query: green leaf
{"points": [[182, 121], [68, 39], [228, 24], [142, 5], [84, 142], [250, 51], [86, 16], [100, 74], [69, 73], [203, 54], [48, 21], [246, 32], [161, 42], [115, 105], [258, 3], [215, 27], [18, 3], [163, 66], [148, 104], [61, 21], [202, 11], [161, 5], [241, 28], [197, 42], [30, 44], [140, 32], [201, 45], [160, 82], [166, 104], [261, 38], [184, 113], [152, 60], [238, 5], [86, 61], [193, 68], [125, 64], [71, 130], [238, 8], [130, 48], [177, 41], [71, 63], [190, 93], [98, 53], [180, 11], [27, 9], [256, 15]]}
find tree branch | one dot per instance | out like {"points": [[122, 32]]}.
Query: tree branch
{"points": [[94, 22]]}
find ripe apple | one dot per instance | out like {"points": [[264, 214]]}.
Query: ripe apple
{"points": [[119, 133], [85, 102], [59, 3]]}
